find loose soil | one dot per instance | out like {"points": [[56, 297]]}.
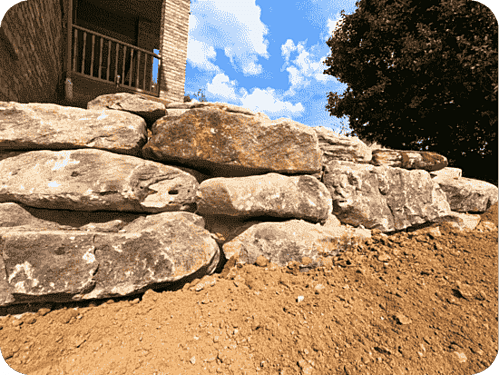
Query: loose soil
{"points": [[410, 303]]}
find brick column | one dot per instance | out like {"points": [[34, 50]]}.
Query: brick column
{"points": [[174, 36]]}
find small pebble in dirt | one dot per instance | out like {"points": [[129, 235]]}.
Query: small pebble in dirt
{"points": [[262, 261], [402, 319], [461, 357], [300, 298]]}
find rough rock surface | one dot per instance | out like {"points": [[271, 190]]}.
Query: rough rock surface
{"points": [[288, 241], [36, 126], [73, 265], [65, 196], [149, 110], [338, 147], [92, 180], [228, 144], [467, 194], [384, 198], [429, 161], [272, 194]]}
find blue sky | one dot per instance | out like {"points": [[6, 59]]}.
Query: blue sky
{"points": [[265, 55]]}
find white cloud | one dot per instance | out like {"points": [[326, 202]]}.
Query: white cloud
{"points": [[267, 101], [305, 68], [222, 87], [199, 54], [232, 26], [332, 24]]}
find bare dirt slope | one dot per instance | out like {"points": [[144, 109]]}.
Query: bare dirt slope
{"points": [[411, 304]]}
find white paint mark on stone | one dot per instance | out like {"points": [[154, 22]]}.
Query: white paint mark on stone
{"points": [[53, 184], [19, 287], [26, 267], [88, 256], [102, 116], [65, 162]]}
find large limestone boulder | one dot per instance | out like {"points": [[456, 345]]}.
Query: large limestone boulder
{"points": [[95, 180], [290, 241], [149, 110], [429, 161], [229, 144], [467, 194], [37, 126], [272, 194], [338, 147], [383, 198], [153, 251]]}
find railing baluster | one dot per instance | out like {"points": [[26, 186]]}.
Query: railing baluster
{"points": [[84, 50], [108, 59], [75, 68], [124, 63], [137, 76], [145, 71], [160, 63], [100, 57], [92, 56], [130, 69], [116, 62]]}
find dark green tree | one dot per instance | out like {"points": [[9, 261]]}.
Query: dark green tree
{"points": [[421, 75]]}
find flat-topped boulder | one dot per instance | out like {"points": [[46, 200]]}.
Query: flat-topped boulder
{"points": [[35, 126], [429, 161], [272, 194], [95, 180], [230, 144], [149, 110]]}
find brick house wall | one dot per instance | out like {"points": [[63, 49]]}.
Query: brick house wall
{"points": [[173, 48], [32, 51], [33, 48]]}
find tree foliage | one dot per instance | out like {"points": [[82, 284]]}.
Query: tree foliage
{"points": [[421, 75], [200, 96]]}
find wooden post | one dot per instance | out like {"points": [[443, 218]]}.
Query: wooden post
{"points": [[70, 36]]}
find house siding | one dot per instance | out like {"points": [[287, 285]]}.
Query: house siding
{"points": [[32, 52]]}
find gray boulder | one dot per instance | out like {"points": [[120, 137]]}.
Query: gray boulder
{"points": [[468, 194], [338, 147], [429, 161]]}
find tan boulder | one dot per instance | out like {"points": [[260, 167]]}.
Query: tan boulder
{"points": [[95, 180], [272, 194], [429, 161], [289, 241], [338, 147], [228, 144], [468, 195], [37, 126]]}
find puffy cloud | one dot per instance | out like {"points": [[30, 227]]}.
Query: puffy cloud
{"points": [[332, 24], [232, 26], [222, 87], [305, 68], [268, 102], [199, 54]]}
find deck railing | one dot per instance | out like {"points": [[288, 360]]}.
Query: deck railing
{"points": [[110, 60]]}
